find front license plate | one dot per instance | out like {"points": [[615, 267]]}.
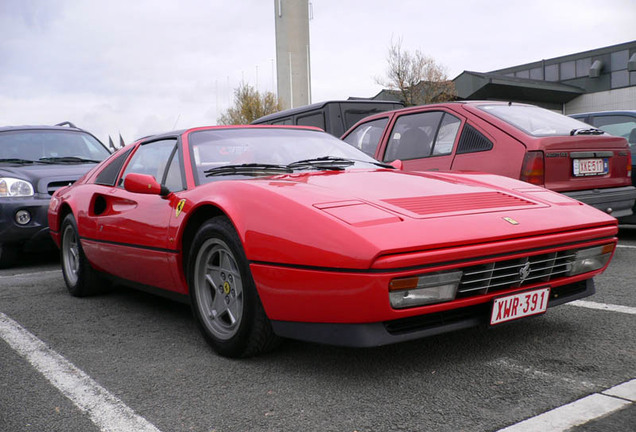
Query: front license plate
{"points": [[521, 305], [588, 167]]}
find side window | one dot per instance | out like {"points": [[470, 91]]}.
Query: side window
{"points": [[446, 135], [173, 178], [151, 158], [108, 176], [285, 121], [412, 136], [314, 119], [366, 137]]}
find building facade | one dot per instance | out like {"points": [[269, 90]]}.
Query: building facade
{"points": [[596, 80]]}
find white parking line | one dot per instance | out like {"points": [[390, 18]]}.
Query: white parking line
{"points": [[579, 412], [603, 306], [104, 409], [626, 246]]}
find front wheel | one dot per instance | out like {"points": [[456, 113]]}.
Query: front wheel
{"points": [[223, 294], [81, 280]]}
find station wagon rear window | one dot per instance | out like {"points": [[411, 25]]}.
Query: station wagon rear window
{"points": [[533, 120]]}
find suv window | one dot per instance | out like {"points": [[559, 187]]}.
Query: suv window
{"points": [[366, 137], [618, 125]]}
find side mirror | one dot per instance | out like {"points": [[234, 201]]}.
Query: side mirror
{"points": [[144, 184], [397, 164]]}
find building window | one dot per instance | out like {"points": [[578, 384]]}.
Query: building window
{"points": [[552, 72], [620, 79], [523, 74], [536, 73], [583, 67], [619, 60], [568, 70]]}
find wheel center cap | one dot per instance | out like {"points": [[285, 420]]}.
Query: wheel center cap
{"points": [[226, 288]]}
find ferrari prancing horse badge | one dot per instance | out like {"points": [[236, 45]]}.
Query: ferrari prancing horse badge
{"points": [[180, 207]]}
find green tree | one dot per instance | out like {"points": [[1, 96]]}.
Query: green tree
{"points": [[415, 78], [249, 105]]}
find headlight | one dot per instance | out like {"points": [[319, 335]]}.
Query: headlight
{"points": [[424, 289], [11, 187], [587, 260]]}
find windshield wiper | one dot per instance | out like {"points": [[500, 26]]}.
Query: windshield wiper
{"points": [[254, 169], [17, 160], [68, 159], [590, 131], [325, 162]]}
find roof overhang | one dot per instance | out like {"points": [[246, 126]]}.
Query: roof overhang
{"points": [[480, 86]]}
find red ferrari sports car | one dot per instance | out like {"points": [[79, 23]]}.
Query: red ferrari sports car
{"points": [[286, 232]]}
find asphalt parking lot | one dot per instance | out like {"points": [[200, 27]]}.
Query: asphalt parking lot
{"points": [[130, 361]]}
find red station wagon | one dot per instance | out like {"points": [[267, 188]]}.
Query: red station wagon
{"points": [[515, 140]]}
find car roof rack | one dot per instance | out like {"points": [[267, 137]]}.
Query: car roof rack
{"points": [[67, 123]]}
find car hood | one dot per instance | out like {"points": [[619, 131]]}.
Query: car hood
{"points": [[348, 219], [46, 178]]}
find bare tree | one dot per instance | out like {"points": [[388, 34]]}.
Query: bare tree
{"points": [[249, 105], [416, 78]]}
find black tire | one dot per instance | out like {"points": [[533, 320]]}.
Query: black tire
{"points": [[8, 255], [224, 298], [81, 280]]}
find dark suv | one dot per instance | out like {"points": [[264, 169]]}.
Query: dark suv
{"points": [[334, 117], [35, 161], [515, 140]]}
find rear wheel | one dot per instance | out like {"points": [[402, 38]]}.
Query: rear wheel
{"points": [[81, 280], [8, 255], [224, 298]]}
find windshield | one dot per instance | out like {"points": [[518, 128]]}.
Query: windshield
{"points": [[537, 121], [219, 153], [51, 146]]}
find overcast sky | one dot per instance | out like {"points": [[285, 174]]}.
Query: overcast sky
{"points": [[139, 67]]}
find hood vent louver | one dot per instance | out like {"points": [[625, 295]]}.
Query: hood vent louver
{"points": [[428, 205]]}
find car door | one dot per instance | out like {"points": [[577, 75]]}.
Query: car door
{"points": [[423, 140], [132, 228]]}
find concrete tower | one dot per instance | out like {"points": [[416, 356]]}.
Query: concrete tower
{"points": [[292, 52]]}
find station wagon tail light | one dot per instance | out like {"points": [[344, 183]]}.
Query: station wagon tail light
{"points": [[533, 169], [590, 259], [424, 289]]}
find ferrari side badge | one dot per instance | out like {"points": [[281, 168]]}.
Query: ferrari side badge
{"points": [[511, 220], [179, 207]]}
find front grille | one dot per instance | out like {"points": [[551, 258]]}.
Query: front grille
{"points": [[53, 186], [470, 316], [514, 273]]}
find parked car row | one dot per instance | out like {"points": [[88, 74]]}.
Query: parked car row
{"points": [[515, 140]]}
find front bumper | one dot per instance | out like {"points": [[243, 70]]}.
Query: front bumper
{"points": [[617, 202], [363, 335], [33, 236]]}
